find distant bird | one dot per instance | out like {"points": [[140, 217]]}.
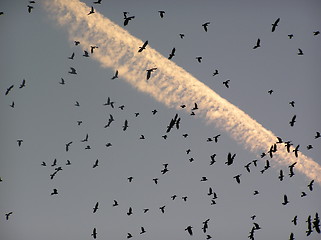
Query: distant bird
{"points": [[12, 104], [256, 226], [281, 176], [270, 91], [184, 198], [130, 211], [230, 158], [215, 73], [195, 107], [300, 52], [68, 162], [173, 197], [275, 24], [216, 137], [213, 201], [292, 121], [129, 235], [204, 179], [115, 203], [185, 135], [96, 207], [294, 220], [43, 164], [67, 146], [172, 54], [155, 180], [199, 59], [142, 230], [316, 33], [143, 47], [247, 167], [311, 185], [205, 225], [62, 82], [212, 159], [130, 179], [96, 164], [189, 230], [296, 150], [309, 147], [55, 191], [29, 8], [77, 104], [121, 107], [255, 162], [125, 125], [94, 233], [91, 10], [23, 84], [161, 13], [205, 25], [317, 135], [79, 122], [8, 215], [154, 111], [256, 192], [237, 178], [72, 56], [54, 162], [85, 139], [291, 236], [92, 48], [115, 76], [76, 43], [127, 19], [97, 2], [292, 103], [257, 44], [226, 83], [9, 89], [182, 35], [146, 210], [303, 194], [149, 71], [290, 36], [72, 71], [86, 54], [210, 191], [285, 200], [165, 170], [162, 208], [19, 141], [1, 13]]}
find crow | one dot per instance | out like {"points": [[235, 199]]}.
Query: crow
{"points": [[143, 47], [205, 25], [275, 24]]}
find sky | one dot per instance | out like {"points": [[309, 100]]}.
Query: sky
{"points": [[35, 48]]}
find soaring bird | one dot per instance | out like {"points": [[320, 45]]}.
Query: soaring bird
{"points": [[204, 179], [86, 54], [281, 176], [182, 35], [205, 225], [294, 220], [162, 208], [257, 44], [94, 233], [68, 162], [55, 191], [292, 121], [130, 211], [300, 52], [230, 158], [270, 91], [19, 141], [154, 111], [29, 8], [8, 215], [72, 71], [62, 82], [316, 33], [91, 10], [275, 24], [237, 178], [130, 179], [292, 103], [172, 54], [226, 83], [125, 125], [127, 19], [205, 25], [9, 89], [54, 162], [285, 200], [199, 59], [161, 13], [296, 150], [291, 236], [85, 139], [142, 230], [189, 230], [92, 48], [115, 76], [317, 135], [143, 47], [115, 203], [76, 43], [215, 73], [67, 146], [311, 185], [96, 164], [290, 36], [96, 207], [247, 167], [149, 72], [216, 137], [129, 235], [23, 84], [212, 159], [97, 2]]}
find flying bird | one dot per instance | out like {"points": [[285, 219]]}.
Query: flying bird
{"points": [[230, 158], [294, 220], [292, 121], [94, 233], [9, 89], [292, 103], [29, 8], [316, 33], [215, 73], [149, 72], [8, 215], [281, 176], [67, 146], [257, 44], [162, 208], [317, 135], [300, 52], [143, 47], [91, 10], [97, 2], [115, 76], [275, 24], [161, 13], [290, 36], [216, 137], [226, 83], [205, 25], [62, 82], [125, 125], [127, 19], [86, 54], [172, 54], [237, 178], [130, 211], [96, 207], [19, 141], [199, 59], [72, 71], [182, 35], [55, 191], [92, 48], [23, 84], [285, 200], [96, 164], [115, 203], [296, 150], [142, 230], [189, 230], [311, 185], [270, 91], [76, 43]]}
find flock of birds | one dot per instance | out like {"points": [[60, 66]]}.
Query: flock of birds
{"points": [[313, 222]]}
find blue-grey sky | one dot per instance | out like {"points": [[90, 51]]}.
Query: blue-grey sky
{"points": [[33, 47]]}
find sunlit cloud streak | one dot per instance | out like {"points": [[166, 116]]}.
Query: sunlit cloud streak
{"points": [[169, 84]]}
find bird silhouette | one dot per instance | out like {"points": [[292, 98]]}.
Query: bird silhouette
{"points": [[9, 89], [291, 236], [86, 54], [216, 137], [189, 230], [149, 71], [199, 59], [311, 185], [161, 13], [142, 230], [205, 25], [230, 158], [91, 10], [155, 180], [317, 135], [115, 203], [96, 164], [19, 141], [97, 2], [125, 125], [226, 83], [303, 194], [162, 208], [275, 24], [94, 233], [154, 111], [204, 179], [316, 33], [205, 225], [76, 43], [257, 44], [12, 104], [292, 103], [8, 215], [30, 8], [54, 192], [292, 121], [72, 56], [270, 91], [212, 159], [127, 19], [85, 139], [295, 220], [285, 200], [129, 235], [172, 54], [181, 35], [247, 167], [130, 211], [237, 178], [290, 36], [68, 162], [296, 150], [184, 198], [115, 76], [67, 146], [281, 176], [300, 52], [95, 207], [62, 82], [72, 71], [130, 179], [143, 47], [43, 164], [23, 84], [92, 48]]}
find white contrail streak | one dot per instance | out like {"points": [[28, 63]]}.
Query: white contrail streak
{"points": [[170, 84]]}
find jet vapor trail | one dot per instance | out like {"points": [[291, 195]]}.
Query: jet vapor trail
{"points": [[170, 84]]}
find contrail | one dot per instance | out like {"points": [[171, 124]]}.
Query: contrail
{"points": [[169, 84]]}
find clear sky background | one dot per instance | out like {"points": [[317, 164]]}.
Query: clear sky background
{"points": [[33, 47]]}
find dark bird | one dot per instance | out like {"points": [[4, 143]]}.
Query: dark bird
{"points": [[127, 19], [92, 48], [23, 84], [155, 180], [76, 43], [296, 150], [97, 2], [210, 191], [130, 179], [173, 197], [290, 36], [109, 102], [142, 230], [91, 10], [125, 14], [172, 54], [130, 211], [85, 139], [285, 200], [9, 89], [256, 226], [317, 135], [199, 59], [303, 194], [281, 176], [62, 82], [146, 210], [86, 54], [295, 220], [12, 104], [77, 104], [142, 137], [185, 135], [8, 215], [255, 162], [129, 235], [143, 47], [115, 76], [212, 159], [189, 230], [43, 164], [161, 13], [94, 233], [72, 56], [54, 162], [215, 73], [115, 203], [204, 179], [162, 208], [205, 225], [79, 122], [257, 44], [288, 144], [230, 158], [96, 164], [300, 52], [195, 107], [226, 83], [125, 125], [165, 170], [72, 71], [291, 236], [205, 25], [311, 185], [149, 72], [19, 141], [55, 191], [184, 198], [154, 111], [216, 137], [67, 146], [121, 107], [292, 103], [292, 121], [270, 91], [188, 151], [256, 192], [182, 35], [275, 24], [316, 33], [309, 147], [316, 223], [68, 162], [213, 202], [96, 207], [29, 8], [247, 167], [237, 178]]}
